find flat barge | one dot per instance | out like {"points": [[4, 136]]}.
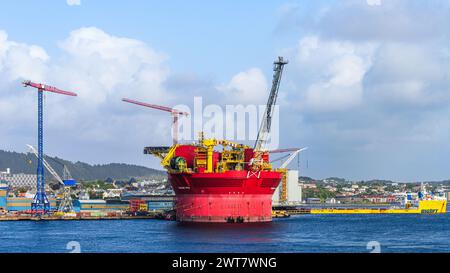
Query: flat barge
{"points": [[438, 206]]}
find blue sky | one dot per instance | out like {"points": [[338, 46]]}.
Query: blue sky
{"points": [[217, 38], [366, 87]]}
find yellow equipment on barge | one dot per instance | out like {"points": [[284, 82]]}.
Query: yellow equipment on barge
{"points": [[433, 206]]}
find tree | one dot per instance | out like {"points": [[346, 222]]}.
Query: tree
{"points": [[109, 180]]}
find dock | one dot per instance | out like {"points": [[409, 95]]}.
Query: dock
{"points": [[62, 218], [22, 217]]}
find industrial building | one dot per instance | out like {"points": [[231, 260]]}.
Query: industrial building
{"points": [[101, 205], [3, 196], [313, 200], [160, 205], [294, 190], [20, 180], [154, 202], [115, 204], [90, 205], [24, 204]]}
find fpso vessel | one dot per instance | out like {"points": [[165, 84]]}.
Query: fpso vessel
{"points": [[233, 184], [219, 186]]}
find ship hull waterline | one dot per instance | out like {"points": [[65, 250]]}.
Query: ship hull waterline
{"points": [[233, 196]]}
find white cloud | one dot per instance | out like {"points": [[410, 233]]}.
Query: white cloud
{"points": [[73, 2], [409, 74], [102, 69], [106, 66], [370, 87], [336, 72], [19, 60], [368, 20], [247, 87]]}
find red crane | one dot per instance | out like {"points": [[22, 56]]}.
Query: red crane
{"points": [[175, 115], [43, 87]]}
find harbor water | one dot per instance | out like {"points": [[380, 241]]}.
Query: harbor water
{"points": [[301, 233]]}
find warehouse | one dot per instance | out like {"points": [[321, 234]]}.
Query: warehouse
{"points": [[154, 202], [3, 196], [24, 204], [100, 204]]}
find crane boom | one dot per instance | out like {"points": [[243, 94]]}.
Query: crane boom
{"points": [[291, 157], [43, 87], [175, 115], [264, 129], [154, 106], [283, 150], [46, 165]]}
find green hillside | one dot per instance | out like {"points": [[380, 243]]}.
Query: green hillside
{"points": [[26, 163]]}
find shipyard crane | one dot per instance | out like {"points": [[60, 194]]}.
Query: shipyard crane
{"points": [[40, 203], [264, 129], [291, 157], [175, 115], [285, 150], [46, 165], [66, 204]]}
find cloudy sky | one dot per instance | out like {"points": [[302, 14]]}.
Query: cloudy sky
{"points": [[366, 89]]}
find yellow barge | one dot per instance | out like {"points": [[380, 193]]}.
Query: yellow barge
{"points": [[424, 207]]}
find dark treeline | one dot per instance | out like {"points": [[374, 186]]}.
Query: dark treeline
{"points": [[26, 163]]}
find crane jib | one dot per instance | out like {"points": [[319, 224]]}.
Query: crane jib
{"points": [[267, 119]]}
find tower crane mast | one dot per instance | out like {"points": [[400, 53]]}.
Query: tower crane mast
{"points": [[40, 204]]}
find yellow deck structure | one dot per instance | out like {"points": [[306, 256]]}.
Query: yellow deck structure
{"points": [[425, 207]]}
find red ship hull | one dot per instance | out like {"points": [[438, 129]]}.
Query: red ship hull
{"points": [[232, 196]]}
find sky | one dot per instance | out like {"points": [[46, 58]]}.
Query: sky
{"points": [[366, 87]]}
